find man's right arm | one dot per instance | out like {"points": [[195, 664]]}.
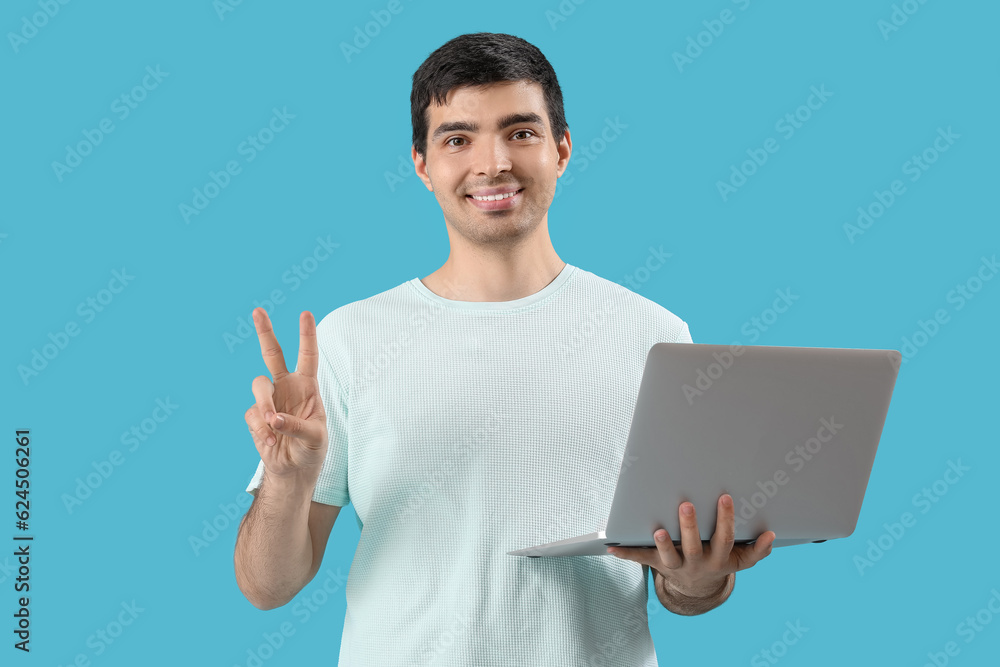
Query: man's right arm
{"points": [[281, 541]]}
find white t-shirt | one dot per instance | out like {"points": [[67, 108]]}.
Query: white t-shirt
{"points": [[463, 430]]}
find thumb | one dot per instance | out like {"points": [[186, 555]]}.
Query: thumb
{"points": [[297, 428]]}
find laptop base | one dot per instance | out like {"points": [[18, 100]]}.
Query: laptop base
{"points": [[596, 544]]}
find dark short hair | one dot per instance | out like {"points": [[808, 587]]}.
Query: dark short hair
{"points": [[478, 59]]}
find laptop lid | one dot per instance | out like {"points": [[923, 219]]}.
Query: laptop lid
{"points": [[789, 432]]}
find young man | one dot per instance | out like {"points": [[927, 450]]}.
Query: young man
{"points": [[463, 415]]}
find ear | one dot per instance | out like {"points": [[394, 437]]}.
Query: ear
{"points": [[565, 149], [420, 166]]}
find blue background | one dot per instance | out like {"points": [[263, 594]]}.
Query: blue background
{"points": [[134, 539]]}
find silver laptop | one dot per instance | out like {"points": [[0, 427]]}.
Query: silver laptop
{"points": [[789, 432]]}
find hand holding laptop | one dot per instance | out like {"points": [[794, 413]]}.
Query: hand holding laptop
{"points": [[696, 569]]}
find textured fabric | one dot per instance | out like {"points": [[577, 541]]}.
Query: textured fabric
{"points": [[464, 430]]}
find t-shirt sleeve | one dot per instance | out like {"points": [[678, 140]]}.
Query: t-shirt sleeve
{"points": [[331, 487], [685, 335]]}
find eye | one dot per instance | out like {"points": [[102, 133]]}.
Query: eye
{"points": [[524, 132], [448, 143]]}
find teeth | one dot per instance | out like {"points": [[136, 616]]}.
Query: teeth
{"points": [[494, 197]]}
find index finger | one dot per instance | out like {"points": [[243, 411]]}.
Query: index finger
{"points": [[269, 348], [308, 349]]}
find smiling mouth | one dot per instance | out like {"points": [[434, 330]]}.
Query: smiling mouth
{"points": [[506, 195]]}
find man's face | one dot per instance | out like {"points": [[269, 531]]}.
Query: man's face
{"points": [[486, 139]]}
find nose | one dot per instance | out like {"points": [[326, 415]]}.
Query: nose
{"points": [[491, 157]]}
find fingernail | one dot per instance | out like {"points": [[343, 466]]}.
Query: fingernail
{"points": [[279, 421], [267, 416], [661, 537], [271, 440], [687, 509], [727, 501]]}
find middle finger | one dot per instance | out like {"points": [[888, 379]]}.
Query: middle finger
{"points": [[690, 536], [725, 531]]}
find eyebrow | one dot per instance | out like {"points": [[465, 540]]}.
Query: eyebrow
{"points": [[504, 122]]}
